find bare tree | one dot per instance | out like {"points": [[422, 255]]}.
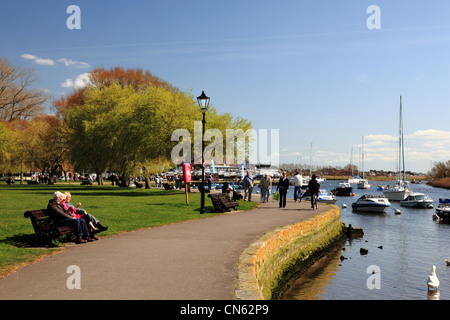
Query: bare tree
{"points": [[17, 99]]}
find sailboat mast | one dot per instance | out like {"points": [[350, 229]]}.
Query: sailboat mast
{"points": [[402, 145], [362, 157]]}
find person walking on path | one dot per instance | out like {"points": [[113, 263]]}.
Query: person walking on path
{"points": [[248, 186], [283, 188], [297, 186], [314, 188], [266, 186]]}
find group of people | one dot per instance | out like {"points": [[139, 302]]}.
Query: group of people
{"points": [[63, 213], [265, 184], [283, 187]]}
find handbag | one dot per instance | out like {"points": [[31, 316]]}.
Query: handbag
{"points": [[276, 195]]}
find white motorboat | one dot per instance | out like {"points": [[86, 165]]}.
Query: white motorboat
{"points": [[417, 200], [324, 196], [443, 209], [371, 203]]}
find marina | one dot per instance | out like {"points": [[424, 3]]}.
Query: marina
{"points": [[404, 243]]}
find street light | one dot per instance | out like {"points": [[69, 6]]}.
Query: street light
{"points": [[203, 102]]}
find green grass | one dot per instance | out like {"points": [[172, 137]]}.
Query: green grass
{"points": [[121, 209]]}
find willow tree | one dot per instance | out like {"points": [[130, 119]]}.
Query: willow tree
{"points": [[126, 126]]}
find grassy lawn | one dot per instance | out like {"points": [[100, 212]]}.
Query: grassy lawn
{"points": [[118, 208]]}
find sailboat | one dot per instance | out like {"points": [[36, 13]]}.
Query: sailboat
{"points": [[353, 179], [400, 191], [363, 183]]}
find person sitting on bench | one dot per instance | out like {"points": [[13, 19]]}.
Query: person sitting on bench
{"points": [[94, 224], [62, 217]]}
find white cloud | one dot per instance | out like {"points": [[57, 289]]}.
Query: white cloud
{"points": [[28, 56], [47, 62], [67, 84], [70, 62], [80, 81]]}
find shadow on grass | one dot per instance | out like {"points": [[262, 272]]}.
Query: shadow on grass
{"points": [[30, 241], [96, 190]]}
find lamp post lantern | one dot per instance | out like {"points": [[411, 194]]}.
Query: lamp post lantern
{"points": [[203, 102]]}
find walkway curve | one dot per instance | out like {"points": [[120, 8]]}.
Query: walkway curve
{"points": [[191, 260]]}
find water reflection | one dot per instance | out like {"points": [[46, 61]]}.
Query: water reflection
{"points": [[404, 247], [312, 283]]}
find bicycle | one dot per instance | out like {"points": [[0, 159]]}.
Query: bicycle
{"points": [[314, 201]]}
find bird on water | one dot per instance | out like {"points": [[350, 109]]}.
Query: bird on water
{"points": [[433, 281]]}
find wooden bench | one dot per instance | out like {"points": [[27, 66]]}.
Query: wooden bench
{"points": [[222, 203], [45, 228], [168, 186]]}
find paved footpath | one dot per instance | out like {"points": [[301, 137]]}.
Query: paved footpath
{"points": [[191, 260]]}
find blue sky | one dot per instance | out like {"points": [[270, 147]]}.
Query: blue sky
{"points": [[312, 69]]}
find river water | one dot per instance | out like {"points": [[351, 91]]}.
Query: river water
{"points": [[402, 248]]}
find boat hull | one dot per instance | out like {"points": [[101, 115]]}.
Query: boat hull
{"points": [[417, 204], [369, 208], [443, 214], [396, 195]]}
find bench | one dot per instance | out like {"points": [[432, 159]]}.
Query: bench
{"points": [[44, 226], [168, 186], [222, 203], [86, 182]]}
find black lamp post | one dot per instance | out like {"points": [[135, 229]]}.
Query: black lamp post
{"points": [[203, 102]]}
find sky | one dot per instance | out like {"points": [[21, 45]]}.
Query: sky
{"points": [[327, 74]]}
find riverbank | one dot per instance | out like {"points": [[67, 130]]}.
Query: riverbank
{"points": [[440, 183], [273, 261]]}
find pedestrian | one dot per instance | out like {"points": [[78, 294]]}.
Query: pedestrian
{"points": [[210, 179], [313, 187], [247, 183], [266, 187], [297, 186], [283, 188]]}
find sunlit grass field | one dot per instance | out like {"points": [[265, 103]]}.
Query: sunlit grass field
{"points": [[121, 209]]}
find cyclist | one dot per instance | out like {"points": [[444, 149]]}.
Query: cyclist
{"points": [[314, 188]]}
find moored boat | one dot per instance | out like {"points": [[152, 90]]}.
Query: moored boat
{"points": [[343, 189], [417, 200], [371, 203], [400, 191], [363, 184], [396, 193], [324, 196], [443, 209]]}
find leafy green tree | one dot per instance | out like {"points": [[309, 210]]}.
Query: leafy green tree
{"points": [[125, 125]]}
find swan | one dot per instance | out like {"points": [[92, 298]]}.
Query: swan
{"points": [[433, 281]]}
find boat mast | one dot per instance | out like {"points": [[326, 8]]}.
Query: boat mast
{"points": [[362, 157], [402, 145]]}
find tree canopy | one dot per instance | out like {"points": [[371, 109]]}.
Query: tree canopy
{"points": [[124, 121]]}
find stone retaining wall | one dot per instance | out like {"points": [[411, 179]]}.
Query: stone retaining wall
{"points": [[267, 266]]}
